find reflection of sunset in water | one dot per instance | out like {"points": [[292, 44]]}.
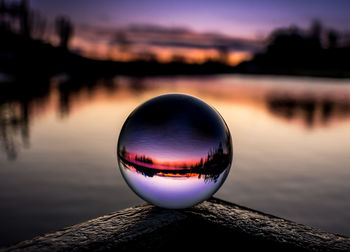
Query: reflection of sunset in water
{"points": [[306, 105], [284, 165], [284, 102]]}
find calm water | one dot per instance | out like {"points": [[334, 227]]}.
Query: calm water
{"points": [[58, 167]]}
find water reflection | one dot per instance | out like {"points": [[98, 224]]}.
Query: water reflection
{"points": [[12, 123], [18, 105], [311, 110], [282, 166], [23, 102]]}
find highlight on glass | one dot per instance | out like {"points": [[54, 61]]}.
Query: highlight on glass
{"points": [[174, 151]]}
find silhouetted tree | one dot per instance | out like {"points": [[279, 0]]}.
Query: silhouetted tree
{"points": [[123, 152], [177, 58], [223, 54], [14, 17], [316, 30], [147, 56], [24, 18], [332, 37], [3, 19], [38, 26], [285, 45], [64, 30]]}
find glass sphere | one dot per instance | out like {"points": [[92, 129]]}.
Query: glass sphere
{"points": [[174, 151]]}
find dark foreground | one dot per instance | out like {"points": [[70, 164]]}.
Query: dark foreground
{"points": [[213, 224]]}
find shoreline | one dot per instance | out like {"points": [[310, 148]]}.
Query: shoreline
{"points": [[211, 224]]}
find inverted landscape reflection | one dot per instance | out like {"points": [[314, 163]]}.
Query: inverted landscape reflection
{"points": [[208, 167], [173, 137]]}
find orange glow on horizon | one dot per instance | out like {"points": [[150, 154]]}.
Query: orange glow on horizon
{"points": [[172, 175], [103, 51], [158, 164]]}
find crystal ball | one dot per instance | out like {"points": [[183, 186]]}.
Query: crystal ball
{"points": [[174, 151]]}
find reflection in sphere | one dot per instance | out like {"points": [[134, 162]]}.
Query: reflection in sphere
{"points": [[174, 151]]}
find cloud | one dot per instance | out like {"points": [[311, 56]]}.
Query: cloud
{"points": [[160, 36]]}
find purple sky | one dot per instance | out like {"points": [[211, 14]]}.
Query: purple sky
{"points": [[243, 18]]}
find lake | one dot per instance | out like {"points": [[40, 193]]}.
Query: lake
{"points": [[58, 166]]}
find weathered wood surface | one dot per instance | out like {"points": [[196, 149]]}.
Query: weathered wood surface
{"points": [[213, 224]]}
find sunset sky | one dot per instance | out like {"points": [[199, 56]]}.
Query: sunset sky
{"points": [[242, 18], [198, 24]]}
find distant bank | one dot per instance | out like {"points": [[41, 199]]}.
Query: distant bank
{"points": [[25, 58]]}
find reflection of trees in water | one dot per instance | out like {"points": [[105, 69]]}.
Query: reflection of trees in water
{"points": [[313, 111], [21, 101], [70, 90], [14, 128], [17, 106], [208, 168]]}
